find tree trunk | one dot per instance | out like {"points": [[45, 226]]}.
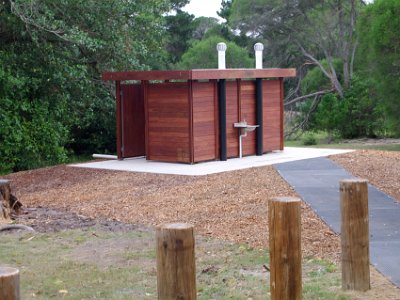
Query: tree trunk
{"points": [[5, 208], [8, 202]]}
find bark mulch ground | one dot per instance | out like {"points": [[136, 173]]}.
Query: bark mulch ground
{"points": [[231, 206], [381, 168]]}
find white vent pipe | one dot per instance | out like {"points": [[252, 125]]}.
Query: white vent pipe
{"points": [[221, 47], [258, 48]]}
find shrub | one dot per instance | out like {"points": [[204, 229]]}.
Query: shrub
{"points": [[309, 139], [358, 114]]}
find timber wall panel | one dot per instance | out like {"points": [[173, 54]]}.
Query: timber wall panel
{"points": [[168, 122], [232, 111], [248, 114], [272, 112], [133, 126], [204, 125]]}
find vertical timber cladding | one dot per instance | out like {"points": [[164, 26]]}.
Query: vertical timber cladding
{"points": [[133, 121], [204, 125], [240, 106], [232, 115], [248, 114], [272, 115], [168, 121]]}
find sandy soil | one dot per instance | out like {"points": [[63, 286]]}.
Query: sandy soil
{"points": [[231, 206]]}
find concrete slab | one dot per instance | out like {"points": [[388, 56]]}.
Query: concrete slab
{"points": [[317, 180], [205, 168]]}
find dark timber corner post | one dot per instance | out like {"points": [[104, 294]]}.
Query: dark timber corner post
{"points": [[118, 93], [258, 49], [259, 117], [222, 119], [221, 48]]}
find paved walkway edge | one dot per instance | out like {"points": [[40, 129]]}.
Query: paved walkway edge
{"points": [[317, 180], [204, 168]]}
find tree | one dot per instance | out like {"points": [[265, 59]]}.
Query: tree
{"points": [[53, 101], [203, 54], [379, 53], [355, 115], [180, 29], [303, 32], [202, 26], [226, 9]]}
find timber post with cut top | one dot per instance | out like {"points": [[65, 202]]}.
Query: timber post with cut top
{"points": [[176, 269], [9, 283], [285, 248], [354, 234]]}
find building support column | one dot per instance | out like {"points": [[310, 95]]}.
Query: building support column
{"points": [[222, 119], [259, 117]]}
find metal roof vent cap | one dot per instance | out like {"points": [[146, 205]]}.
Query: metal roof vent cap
{"points": [[258, 48], [221, 47]]}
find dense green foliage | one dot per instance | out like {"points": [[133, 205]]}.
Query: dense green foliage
{"points": [[203, 54], [355, 115], [180, 29], [53, 102], [379, 54], [346, 54], [371, 104]]}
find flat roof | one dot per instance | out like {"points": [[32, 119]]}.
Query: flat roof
{"points": [[199, 74]]}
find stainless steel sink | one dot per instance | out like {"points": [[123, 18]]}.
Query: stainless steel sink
{"points": [[244, 126], [244, 129]]}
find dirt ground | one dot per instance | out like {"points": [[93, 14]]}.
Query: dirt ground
{"points": [[45, 220], [231, 206]]}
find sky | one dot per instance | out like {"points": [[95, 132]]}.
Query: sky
{"points": [[209, 8], [206, 8]]}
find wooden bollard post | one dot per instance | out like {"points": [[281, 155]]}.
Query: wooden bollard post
{"points": [[176, 270], [9, 283], [285, 248], [355, 234]]}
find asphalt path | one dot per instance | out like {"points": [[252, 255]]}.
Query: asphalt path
{"points": [[316, 180]]}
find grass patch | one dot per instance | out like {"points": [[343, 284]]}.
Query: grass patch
{"points": [[324, 140], [75, 159], [388, 147], [94, 264]]}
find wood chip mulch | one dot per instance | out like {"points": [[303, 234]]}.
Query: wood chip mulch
{"points": [[380, 168], [231, 206]]}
